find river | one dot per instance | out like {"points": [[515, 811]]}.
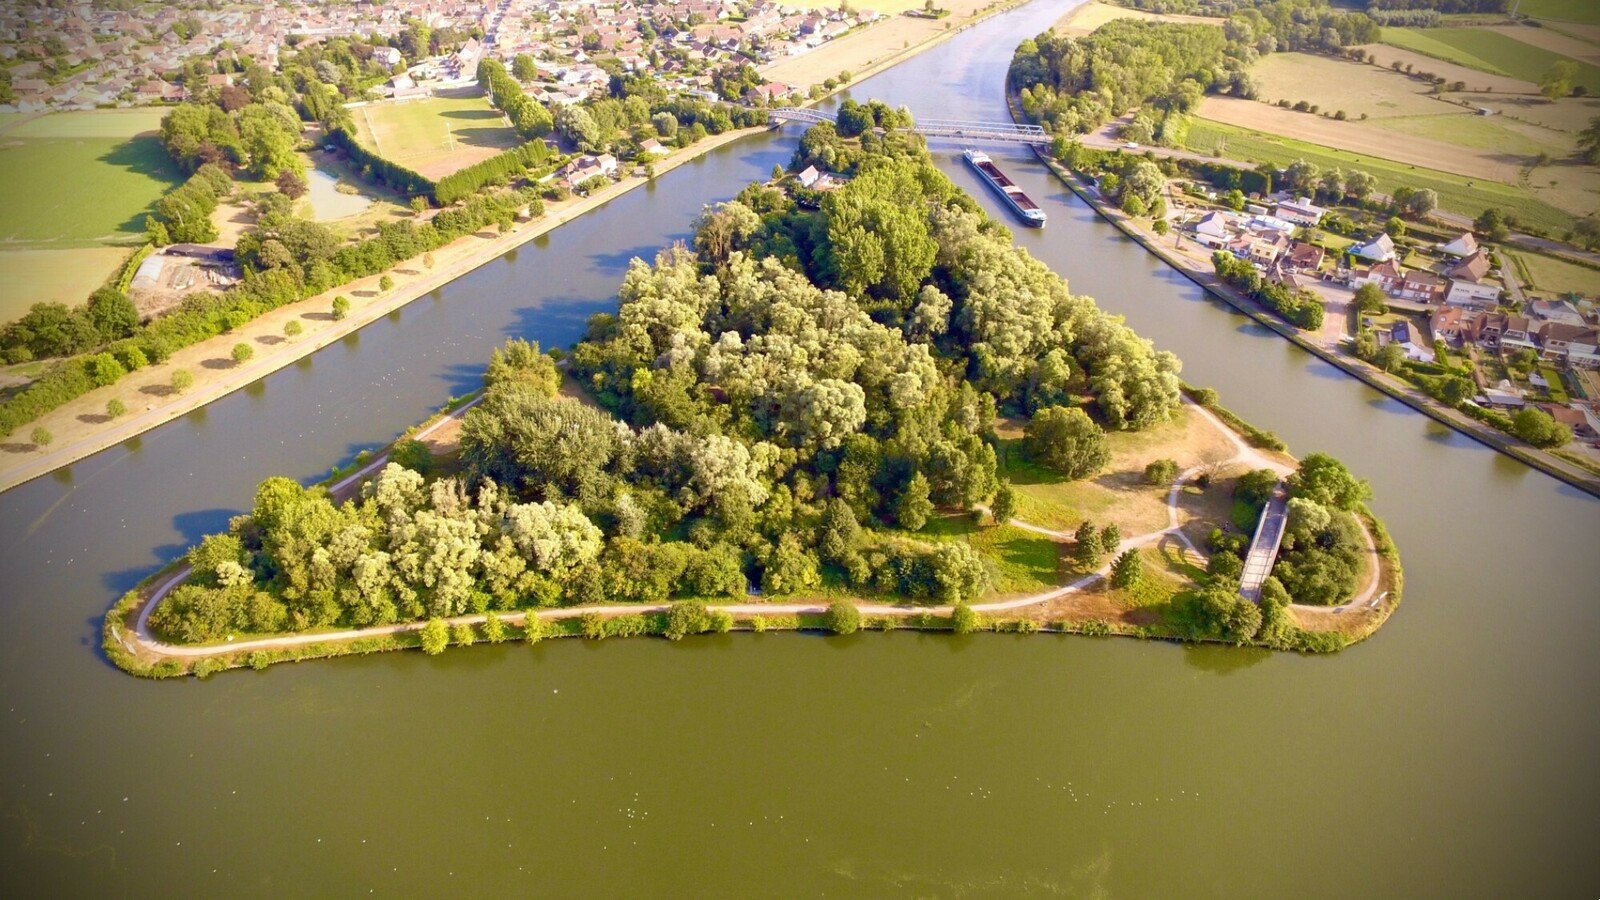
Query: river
{"points": [[1450, 755]]}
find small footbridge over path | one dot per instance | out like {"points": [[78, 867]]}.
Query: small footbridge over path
{"points": [[1264, 546], [972, 132]]}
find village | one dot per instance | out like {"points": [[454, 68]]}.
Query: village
{"points": [[1446, 305], [98, 56]]}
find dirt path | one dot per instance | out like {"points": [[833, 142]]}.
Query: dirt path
{"points": [[143, 641]]}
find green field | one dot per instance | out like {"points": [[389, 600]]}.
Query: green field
{"points": [[53, 276], [1488, 51], [1548, 274], [1457, 194], [74, 192], [1563, 10], [435, 135]]}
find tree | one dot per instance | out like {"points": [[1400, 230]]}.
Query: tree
{"points": [[1067, 440], [1359, 184], [1589, 142], [494, 630], [1557, 81], [1370, 298], [42, 437], [1539, 428], [435, 637], [341, 307], [524, 67], [112, 314], [1395, 227], [574, 123], [1422, 202], [242, 353], [965, 620], [842, 617], [291, 185], [1005, 503], [912, 508], [1086, 549], [1323, 479], [115, 408], [1110, 538], [182, 380], [686, 617], [386, 283], [1161, 472], [292, 328], [1492, 224], [1127, 570]]}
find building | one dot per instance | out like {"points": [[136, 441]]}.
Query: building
{"points": [[1300, 211], [1379, 249], [1423, 287], [1387, 275], [1463, 246], [1470, 284]]}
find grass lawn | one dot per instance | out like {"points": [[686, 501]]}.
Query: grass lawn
{"points": [[1457, 193], [435, 135], [1562, 10], [75, 192], [1557, 276], [1489, 51], [91, 123], [61, 276], [1021, 562]]}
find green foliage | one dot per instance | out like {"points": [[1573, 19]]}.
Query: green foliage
{"points": [[843, 617], [435, 636], [1086, 548], [964, 620], [494, 630], [1067, 440], [42, 437], [1127, 570], [1161, 472], [242, 353], [182, 380], [1539, 428], [686, 617], [115, 408], [292, 328], [1004, 507], [912, 507], [341, 307], [1324, 480], [521, 361]]}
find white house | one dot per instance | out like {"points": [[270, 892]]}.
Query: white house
{"points": [[1463, 246], [1379, 249], [1300, 210]]}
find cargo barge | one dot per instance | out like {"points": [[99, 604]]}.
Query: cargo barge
{"points": [[1020, 203]]}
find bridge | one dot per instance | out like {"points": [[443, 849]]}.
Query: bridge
{"points": [[1264, 546], [974, 132]]}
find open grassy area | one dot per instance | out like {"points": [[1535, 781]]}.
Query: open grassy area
{"points": [[1087, 18], [1490, 51], [1563, 10], [75, 192], [1021, 562], [90, 123], [60, 276], [435, 135], [1458, 194], [1557, 276]]}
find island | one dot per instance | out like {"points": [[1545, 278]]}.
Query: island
{"points": [[849, 403]]}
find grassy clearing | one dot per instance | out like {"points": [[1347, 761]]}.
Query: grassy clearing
{"points": [[435, 135], [59, 276], [1489, 51], [1334, 84], [1550, 275], [1022, 562], [75, 192], [1457, 193], [93, 123]]}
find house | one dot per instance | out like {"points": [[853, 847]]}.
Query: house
{"points": [[1470, 285], [1446, 324], [1423, 287], [1583, 426], [651, 147], [1387, 275], [1214, 229], [1271, 223], [1402, 334], [1304, 257], [1560, 342], [1300, 211], [1463, 246], [1517, 335], [1556, 311], [584, 168], [389, 56], [1379, 249]]}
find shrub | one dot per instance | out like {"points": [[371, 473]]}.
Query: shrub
{"points": [[592, 625], [463, 634], [182, 380], [292, 328], [42, 437], [494, 630], [1127, 570], [435, 637], [115, 407], [685, 618], [341, 307], [242, 353], [964, 619], [1161, 472], [385, 283], [843, 617]]}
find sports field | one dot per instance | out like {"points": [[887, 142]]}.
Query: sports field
{"points": [[1458, 194], [435, 135], [1490, 51]]}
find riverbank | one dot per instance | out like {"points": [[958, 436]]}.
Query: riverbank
{"points": [[1393, 387], [1070, 608]]}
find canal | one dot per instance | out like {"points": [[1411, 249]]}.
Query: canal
{"points": [[1451, 755]]}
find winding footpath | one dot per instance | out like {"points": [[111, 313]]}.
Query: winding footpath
{"points": [[143, 641]]}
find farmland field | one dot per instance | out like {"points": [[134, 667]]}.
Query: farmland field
{"points": [[1090, 16], [53, 276], [1563, 10], [1458, 194], [435, 135], [1490, 51]]}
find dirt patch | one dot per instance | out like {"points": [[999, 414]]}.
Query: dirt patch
{"points": [[1090, 16], [1359, 137], [870, 46]]}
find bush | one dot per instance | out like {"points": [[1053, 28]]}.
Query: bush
{"points": [[182, 380], [341, 307], [843, 617], [1161, 472], [964, 620], [685, 618], [242, 353], [1067, 440], [115, 408], [42, 437], [292, 328], [435, 637], [385, 283]]}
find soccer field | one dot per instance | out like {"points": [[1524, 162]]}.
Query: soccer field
{"points": [[435, 135]]}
